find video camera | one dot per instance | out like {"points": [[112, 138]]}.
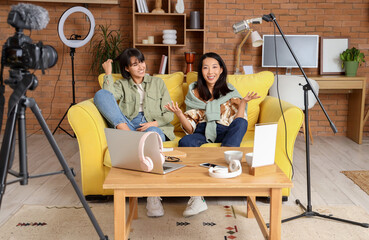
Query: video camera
{"points": [[19, 53]]}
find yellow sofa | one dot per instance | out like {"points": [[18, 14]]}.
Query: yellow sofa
{"points": [[88, 125]]}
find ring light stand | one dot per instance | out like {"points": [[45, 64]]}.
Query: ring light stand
{"points": [[73, 43]]}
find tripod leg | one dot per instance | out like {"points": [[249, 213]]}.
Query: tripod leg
{"points": [[37, 112], [7, 149], [22, 144], [61, 120]]}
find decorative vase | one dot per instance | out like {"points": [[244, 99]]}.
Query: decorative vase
{"points": [[190, 58], [180, 6], [351, 68], [158, 8], [195, 20]]}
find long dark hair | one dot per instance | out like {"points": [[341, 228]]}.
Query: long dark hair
{"points": [[125, 60], [220, 87]]}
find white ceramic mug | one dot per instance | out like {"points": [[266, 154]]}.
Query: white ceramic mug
{"points": [[249, 157], [232, 155]]}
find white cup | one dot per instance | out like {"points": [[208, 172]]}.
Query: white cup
{"points": [[145, 41], [232, 155], [150, 39], [249, 157]]}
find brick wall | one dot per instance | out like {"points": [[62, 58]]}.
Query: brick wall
{"points": [[336, 18]]}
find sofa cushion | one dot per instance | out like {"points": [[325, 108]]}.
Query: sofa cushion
{"points": [[173, 82], [191, 77], [258, 82]]}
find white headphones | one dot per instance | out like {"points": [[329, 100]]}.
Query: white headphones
{"points": [[145, 162], [234, 167]]}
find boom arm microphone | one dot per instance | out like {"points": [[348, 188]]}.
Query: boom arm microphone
{"points": [[28, 16], [244, 24], [268, 18]]}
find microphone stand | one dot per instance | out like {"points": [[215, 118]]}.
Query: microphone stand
{"points": [[308, 210]]}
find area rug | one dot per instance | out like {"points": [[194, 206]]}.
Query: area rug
{"points": [[360, 178], [33, 222]]}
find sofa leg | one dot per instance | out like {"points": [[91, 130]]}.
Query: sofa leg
{"points": [[267, 199], [99, 198]]}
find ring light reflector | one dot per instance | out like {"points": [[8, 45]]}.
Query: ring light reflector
{"points": [[76, 43]]}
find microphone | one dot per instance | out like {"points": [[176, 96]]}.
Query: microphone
{"points": [[28, 16], [244, 24]]}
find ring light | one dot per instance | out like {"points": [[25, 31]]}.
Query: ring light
{"points": [[75, 43]]}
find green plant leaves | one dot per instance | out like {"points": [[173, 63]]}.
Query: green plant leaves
{"points": [[352, 54], [105, 44]]}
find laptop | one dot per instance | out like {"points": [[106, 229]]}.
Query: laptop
{"points": [[123, 149]]}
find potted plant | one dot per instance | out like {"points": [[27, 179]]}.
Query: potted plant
{"points": [[105, 44], [351, 58]]}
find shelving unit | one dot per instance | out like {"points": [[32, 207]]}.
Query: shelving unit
{"points": [[153, 24]]}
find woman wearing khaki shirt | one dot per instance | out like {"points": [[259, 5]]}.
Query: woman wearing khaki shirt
{"points": [[141, 98]]}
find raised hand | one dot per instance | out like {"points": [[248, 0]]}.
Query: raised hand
{"points": [[250, 96], [173, 108], [107, 66]]}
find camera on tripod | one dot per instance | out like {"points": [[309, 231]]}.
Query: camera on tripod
{"points": [[19, 53]]}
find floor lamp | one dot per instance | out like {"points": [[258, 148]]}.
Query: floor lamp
{"points": [[73, 43], [308, 210], [255, 38]]}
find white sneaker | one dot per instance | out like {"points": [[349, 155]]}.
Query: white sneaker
{"points": [[195, 206], [154, 207]]}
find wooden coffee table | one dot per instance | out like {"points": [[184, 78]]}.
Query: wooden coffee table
{"points": [[194, 180]]}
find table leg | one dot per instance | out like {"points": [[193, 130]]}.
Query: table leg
{"points": [[133, 207], [250, 213], [119, 215], [355, 115], [275, 214]]}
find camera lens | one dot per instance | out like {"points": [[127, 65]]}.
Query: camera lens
{"points": [[49, 56]]}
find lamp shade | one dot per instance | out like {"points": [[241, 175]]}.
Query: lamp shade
{"points": [[256, 39]]}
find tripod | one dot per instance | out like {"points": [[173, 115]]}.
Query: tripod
{"points": [[72, 51], [308, 211], [18, 102]]}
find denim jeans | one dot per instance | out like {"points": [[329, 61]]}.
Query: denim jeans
{"points": [[109, 109], [230, 136]]}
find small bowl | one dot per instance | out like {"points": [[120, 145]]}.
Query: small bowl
{"points": [[249, 157], [232, 155]]}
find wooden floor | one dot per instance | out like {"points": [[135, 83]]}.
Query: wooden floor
{"points": [[329, 156]]}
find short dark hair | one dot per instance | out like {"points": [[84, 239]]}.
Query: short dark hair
{"points": [[125, 60], [220, 87]]}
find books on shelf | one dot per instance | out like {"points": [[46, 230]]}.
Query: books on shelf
{"points": [[138, 5], [146, 9], [142, 6], [163, 64]]}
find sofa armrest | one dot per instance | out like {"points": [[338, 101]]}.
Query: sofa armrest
{"points": [[270, 112], [88, 125]]}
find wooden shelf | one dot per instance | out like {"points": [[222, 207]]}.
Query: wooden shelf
{"points": [[159, 45], [159, 14], [75, 1], [153, 24]]}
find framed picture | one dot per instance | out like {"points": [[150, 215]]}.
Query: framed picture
{"points": [[330, 50]]}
